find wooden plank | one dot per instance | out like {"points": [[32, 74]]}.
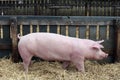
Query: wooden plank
{"points": [[118, 40], [13, 26]]}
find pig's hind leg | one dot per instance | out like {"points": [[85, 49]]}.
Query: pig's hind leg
{"points": [[26, 63], [65, 64], [26, 57]]}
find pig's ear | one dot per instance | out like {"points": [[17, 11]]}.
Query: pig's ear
{"points": [[101, 46], [101, 41], [95, 47]]}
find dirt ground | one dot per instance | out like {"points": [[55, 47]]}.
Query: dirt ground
{"points": [[53, 71]]}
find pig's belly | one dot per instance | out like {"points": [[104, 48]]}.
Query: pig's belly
{"points": [[54, 55]]}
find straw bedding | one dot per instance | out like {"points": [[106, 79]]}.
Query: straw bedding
{"points": [[44, 70]]}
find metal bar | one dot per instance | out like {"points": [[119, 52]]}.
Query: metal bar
{"points": [[31, 28], [58, 20], [107, 32], [87, 32], [58, 29], [77, 31], [66, 32], [21, 29], [38, 28], [48, 28], [97, 32], [1, 32]]}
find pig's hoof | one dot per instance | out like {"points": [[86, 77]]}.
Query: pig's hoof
{"points": [[65, 64]]}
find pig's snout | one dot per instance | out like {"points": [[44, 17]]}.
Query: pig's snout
{"points": [[104, 56]]}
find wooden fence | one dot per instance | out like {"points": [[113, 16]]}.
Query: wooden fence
{"points": [[95, 28], [60, 7]]}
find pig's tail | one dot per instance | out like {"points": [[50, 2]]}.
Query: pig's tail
{"points": [[18, 36]]}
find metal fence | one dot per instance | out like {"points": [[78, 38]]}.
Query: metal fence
{"points": [[92, 27], [60, 7]]}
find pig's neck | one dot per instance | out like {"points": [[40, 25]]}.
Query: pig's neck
{"points": [[82, 48], [90, 58]]}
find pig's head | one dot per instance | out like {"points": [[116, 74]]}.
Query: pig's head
{"points": [[98, 53]]}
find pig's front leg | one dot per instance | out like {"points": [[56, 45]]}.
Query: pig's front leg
{"points": [[65, 64], [78, 61], [80, 66]]}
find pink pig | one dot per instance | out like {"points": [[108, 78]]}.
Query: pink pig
{"points": [[52, 47]]}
